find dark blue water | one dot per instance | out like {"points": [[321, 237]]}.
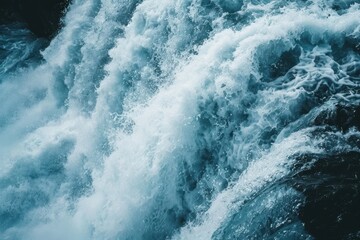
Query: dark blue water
{"points": [[183, 119]]}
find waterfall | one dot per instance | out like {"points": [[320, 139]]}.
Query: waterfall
{"points": [[183, 119]]}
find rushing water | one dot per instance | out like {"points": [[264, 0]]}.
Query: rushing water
{"points": [[183, 119]]}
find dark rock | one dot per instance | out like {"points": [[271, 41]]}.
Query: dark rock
{"points": [[342, 117], [43, 17], [8, 12], [331, 187]]}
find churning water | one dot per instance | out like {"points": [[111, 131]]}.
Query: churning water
{"points": [[183, 119]]}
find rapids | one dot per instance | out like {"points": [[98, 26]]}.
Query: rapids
{"points": [[183, 119]]}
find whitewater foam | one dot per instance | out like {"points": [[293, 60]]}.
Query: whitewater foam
{"points": [[167, 120]]}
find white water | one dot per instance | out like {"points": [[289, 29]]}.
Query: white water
{"points": [[135, 101]]}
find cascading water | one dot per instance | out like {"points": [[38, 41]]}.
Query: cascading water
{"points": [[183, 119]]}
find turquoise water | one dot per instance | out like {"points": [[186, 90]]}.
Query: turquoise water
{"points": [[183, 119]]}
